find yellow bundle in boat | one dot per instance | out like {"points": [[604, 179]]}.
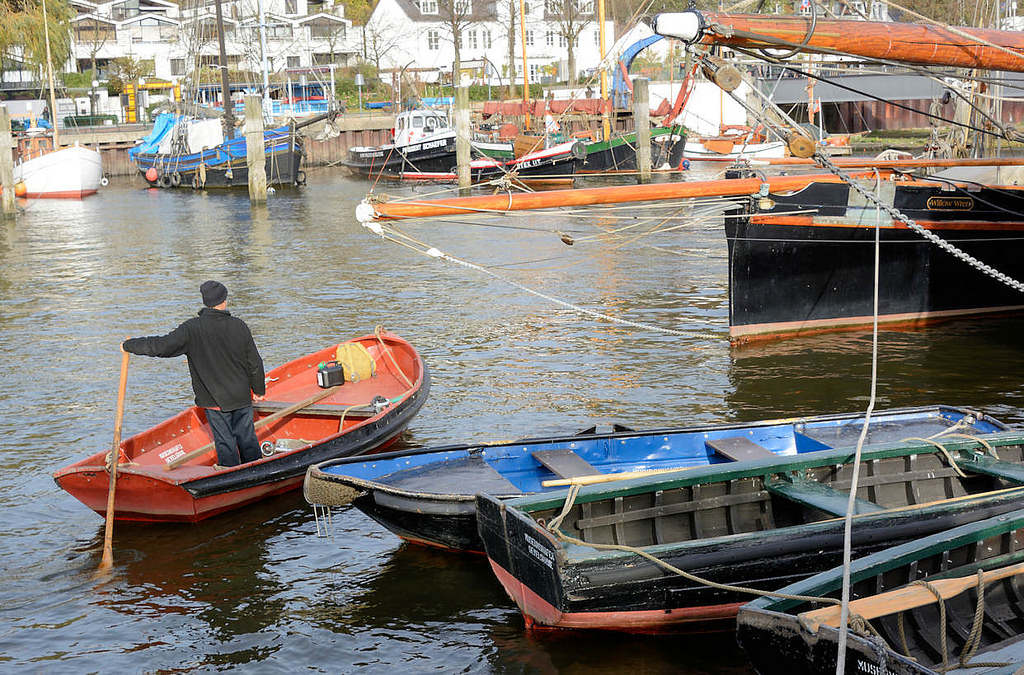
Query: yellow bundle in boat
{"points": [[356, 361]]}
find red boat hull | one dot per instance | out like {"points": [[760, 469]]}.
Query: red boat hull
{"points": [[539, 613], [148, 490]]}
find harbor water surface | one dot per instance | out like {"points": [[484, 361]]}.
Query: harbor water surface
{"points": [[257, 589]]}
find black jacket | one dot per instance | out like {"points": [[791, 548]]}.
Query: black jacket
{"points": [[222, 358]]}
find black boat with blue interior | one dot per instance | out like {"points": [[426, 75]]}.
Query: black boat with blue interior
{"points": [[427, 496]]}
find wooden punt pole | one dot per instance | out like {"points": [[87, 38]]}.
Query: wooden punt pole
{"points": [[115, 458], [905, 42], [617, 194]]}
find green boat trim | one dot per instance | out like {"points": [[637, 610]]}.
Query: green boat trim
{"points": [[966, 450], [630, 139], [902, 555]]}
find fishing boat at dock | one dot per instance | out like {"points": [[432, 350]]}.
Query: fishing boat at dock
{"points": [[975, 626], [593, 557], [428, 496], [424, 149], [191, 152], [168, 473]]}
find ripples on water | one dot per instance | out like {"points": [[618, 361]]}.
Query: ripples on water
{"points": [[258, 587]]}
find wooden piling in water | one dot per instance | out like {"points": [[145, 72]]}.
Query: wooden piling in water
{"points": [[462, 157], [6, 164], [642, 120], [254, 153]]}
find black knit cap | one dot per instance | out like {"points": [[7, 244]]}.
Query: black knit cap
{"points": [[214, 293]]}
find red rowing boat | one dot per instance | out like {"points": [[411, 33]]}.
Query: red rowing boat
{"points": [[167, 474]]}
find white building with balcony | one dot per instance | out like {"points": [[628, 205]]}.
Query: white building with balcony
{"points": [[177, 40]]}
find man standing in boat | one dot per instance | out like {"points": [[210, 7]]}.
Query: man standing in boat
{"points": [[226, 370]]}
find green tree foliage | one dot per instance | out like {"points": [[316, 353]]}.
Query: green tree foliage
{"points": [[358, 11], [23, 37], [127, 69]]}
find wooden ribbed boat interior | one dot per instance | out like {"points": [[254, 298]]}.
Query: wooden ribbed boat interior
{"points": [[666, 513], [1003, 624]]}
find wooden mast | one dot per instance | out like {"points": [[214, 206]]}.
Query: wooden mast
{"points": [[605, 125], [225, 83], [921, 44], [526, 72], [49, 76]]}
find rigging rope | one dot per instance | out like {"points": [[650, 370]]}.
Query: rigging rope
{"points": [[394, 235], [896, 214], [844, 612]]}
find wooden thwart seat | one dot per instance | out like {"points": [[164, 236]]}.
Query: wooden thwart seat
{"points": [[739, 448], [565, 463], [819, 496], [990, 466], [321, 409]]}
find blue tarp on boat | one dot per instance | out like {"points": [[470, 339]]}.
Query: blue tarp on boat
{"points": [[163, 124]]}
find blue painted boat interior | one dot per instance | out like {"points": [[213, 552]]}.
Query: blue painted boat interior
{"points": [[511, 468]]}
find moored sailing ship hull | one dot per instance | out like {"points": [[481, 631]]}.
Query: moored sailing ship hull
{"points": [[224, 166], [619, 154], [813, 271]]}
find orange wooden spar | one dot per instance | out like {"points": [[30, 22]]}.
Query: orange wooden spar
{"points": [[868, 162], [617, 194], [905, 42]]}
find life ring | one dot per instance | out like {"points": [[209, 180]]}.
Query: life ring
{"points": [[195, 182], [300, 177], [164, 181], [579, 150], [104, 182], [175, 179]]}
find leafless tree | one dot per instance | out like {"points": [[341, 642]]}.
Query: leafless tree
{"points": [[570, 17], [457, 17], [379, 39]]}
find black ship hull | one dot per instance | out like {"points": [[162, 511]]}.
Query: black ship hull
{"points": [[813, 271]]}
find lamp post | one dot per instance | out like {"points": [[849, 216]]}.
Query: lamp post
{"points": [[359, 83], [92, 97]]}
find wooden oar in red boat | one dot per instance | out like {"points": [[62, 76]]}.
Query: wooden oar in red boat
{"points": [[370, 211], [295, 407], [115, 456]]}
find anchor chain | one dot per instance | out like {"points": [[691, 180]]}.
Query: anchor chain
{"points": [[910, 223]]}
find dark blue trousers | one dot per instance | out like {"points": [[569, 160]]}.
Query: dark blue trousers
{"points": [[234, 436]]}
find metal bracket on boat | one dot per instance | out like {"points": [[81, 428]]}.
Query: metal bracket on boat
{"points": [[322, 511], [379, 403]]}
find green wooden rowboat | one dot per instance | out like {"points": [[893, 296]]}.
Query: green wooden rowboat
{"points": [[764, 524]]}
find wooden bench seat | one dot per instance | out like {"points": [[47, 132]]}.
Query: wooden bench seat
{"points": [[565, 463], [738, 448], [990, 466], [819, 496]]}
